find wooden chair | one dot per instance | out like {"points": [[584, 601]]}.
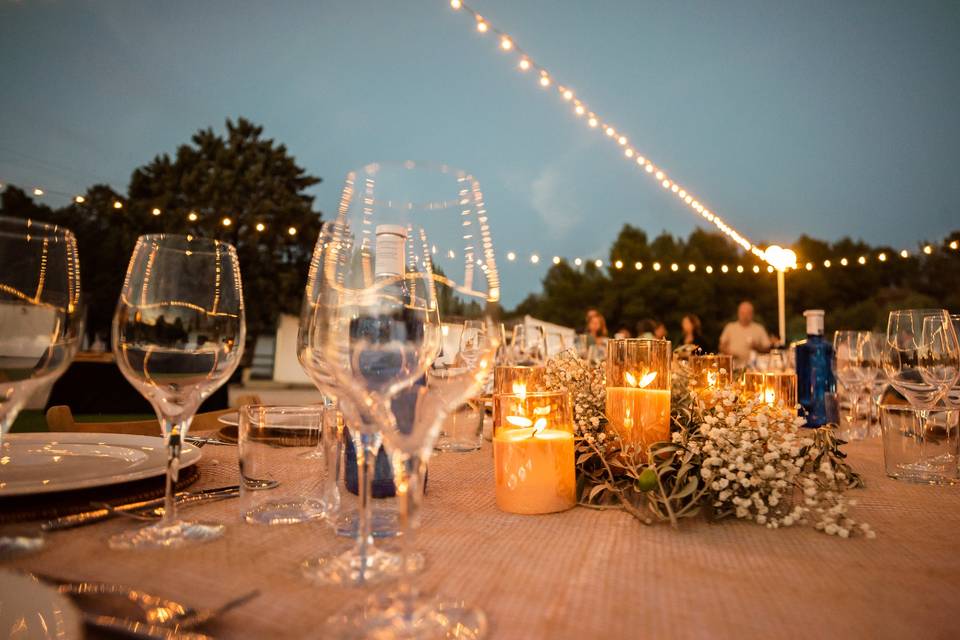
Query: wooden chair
{"points": [[60, 418]]}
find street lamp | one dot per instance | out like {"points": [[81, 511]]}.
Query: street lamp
{"points": [[781, 259]]}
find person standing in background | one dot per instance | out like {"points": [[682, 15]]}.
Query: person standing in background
{"points": [[743, 338], [693, 332]]}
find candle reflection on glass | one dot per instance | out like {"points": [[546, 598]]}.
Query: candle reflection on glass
{"points": [[638, 391], [772, 387], [533, 453]]}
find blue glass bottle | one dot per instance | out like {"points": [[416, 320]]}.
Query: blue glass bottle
{"points": [[815, 379]]}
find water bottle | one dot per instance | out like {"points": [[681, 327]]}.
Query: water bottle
{"points": [[815, 379]]}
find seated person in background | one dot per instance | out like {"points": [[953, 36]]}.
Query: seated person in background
{"points": [[660, 332], [693, 333], [744, 336], [596, 326], [622, 333], [647, 328]]}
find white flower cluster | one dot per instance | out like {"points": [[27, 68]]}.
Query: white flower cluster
{"points": [[757, 461], [586, 384]]}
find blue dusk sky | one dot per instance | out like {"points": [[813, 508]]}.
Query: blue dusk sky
{"points": [[821, 117]]}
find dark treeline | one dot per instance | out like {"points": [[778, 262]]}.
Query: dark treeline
{"points": [[854, 296]]}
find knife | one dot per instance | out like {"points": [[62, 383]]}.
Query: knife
{"points": [[97, 515]]}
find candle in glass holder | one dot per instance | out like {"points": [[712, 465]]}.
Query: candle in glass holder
{"points": [[533, 453], [710, 371], [638, 391], [772, 387], [514, 380]]}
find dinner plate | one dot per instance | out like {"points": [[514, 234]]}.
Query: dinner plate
{"points": [[47, 462], [32, 610]]}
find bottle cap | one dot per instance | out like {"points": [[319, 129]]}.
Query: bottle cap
{"points": [[814, 321], [392, 229]]}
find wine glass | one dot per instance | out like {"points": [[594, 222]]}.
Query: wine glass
{"points": [[953, 395], [178, 335], [529, 345], [40, 311], [410, 244], [921, 355], [847, 368]]}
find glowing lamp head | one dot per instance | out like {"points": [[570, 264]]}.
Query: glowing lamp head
{"points": [[779, 258]]}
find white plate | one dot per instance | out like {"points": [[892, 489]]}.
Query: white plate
{"points": [[32, 610], [47, 462], [231, 419]]}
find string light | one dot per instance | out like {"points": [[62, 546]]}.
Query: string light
{"points": [[826, 263], [598, 263], [578, 262], [524, 64], [756, 268], [261, 227], [117, 204], [709, 269], [928, 249], [79, 199], [882, 257], [192, 217], [954, 245], [292, 231], [904, 254], [534, 258], [226, 222], [506, 43], [511, 256], [156, 211], [739, 268], [862, 260], [656, 266], [843, 262], [674, 267], [724, 268], [556, 259], [638, 265], [691, 268], [618, 264], [809, 266], [481, 25], [455, 4]]}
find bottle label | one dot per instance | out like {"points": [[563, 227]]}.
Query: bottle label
{"points": [[389, 260]]}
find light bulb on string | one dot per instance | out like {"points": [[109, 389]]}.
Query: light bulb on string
{"points": [[506, 43]]}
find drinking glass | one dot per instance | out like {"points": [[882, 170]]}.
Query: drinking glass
{"points": [[380, 332], [40, 312], [921, 355], [922, 449], [529, 345], [280, 481], [848, 351], [178, 335], [953, 395]]}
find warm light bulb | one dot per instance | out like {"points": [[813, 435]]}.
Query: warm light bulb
{"points": [[79, 199], [756, 268], [226, 222], [674, 188], [524, 63], [739, 268], [656, 266], [37, 191], [809, 266], [579, 109], [709, 269], [659, 175], [156, 211], [638, 265], [769, 268], [292, 231], [534, 258], [628, 153], [674, 267], [592, 122], [455, 4], [827, 264], [511, 256], [261, 227], [844, 262], [506, 43], [954, 244], [567, 94], [192, 217], [862, 260], [691, 268], [649, 168], [665, 184], [622, 140], [928, 249], [904, 254], [724, 268], [481, 25], [556, 259], [117, 204], [578, 262], [544, 80], [610, 131], [618, 264], [598, 263], [882, 257]]}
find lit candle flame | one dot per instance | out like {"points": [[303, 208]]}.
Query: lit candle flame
{"points": [[520, 421], [520, 389], [770, 396], [645, 380]]}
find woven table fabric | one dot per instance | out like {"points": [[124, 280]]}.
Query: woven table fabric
{"points": [[577, 574]]}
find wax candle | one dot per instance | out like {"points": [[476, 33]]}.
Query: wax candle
{"points": [[514, 380], [710, 371], [638, 392], [772, 387], [533, 453]]}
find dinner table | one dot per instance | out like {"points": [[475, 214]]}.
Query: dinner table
{"points": [[581, 573]]}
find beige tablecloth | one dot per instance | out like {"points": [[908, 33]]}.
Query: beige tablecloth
{"points": [[582, 573]]}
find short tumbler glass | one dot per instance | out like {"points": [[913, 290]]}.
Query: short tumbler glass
{"points": [[921, 450], [283, 468], [462, 429]]}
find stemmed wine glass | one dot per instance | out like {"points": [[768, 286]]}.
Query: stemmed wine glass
{"points": [[387, 284], [847, 349], [178, 334], [529, 345], [40, 312]]}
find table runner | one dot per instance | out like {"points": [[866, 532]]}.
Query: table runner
{"points": [[581, 573]]}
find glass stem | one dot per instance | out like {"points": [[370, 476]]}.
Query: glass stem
{"points": [[174, 430], [366, 445], [408, 471]]}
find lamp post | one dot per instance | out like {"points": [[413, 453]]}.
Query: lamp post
{"points": [[781, 259]]}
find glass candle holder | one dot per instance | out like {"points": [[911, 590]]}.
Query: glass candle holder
{"points": [[638, 391], [533, 453], [514, 379], [711, 371], [772, 387]]}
